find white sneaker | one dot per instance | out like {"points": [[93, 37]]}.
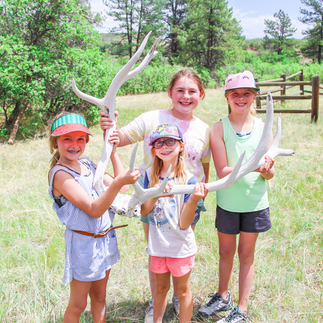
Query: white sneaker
{"points": [[176, 304], [149, 317]]}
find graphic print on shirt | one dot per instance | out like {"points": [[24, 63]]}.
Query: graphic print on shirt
{"points": [[163, 211]]}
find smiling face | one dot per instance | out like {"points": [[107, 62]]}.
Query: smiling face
{"points": [[168, 153], [241, 100], [185, 96], [71, 146]]}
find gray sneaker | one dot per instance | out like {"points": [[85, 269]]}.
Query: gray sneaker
{"points": [[216, 304], [149, 317], [176, 304], [235, 316]]}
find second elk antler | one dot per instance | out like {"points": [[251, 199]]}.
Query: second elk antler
{"points": [[141, 195]]}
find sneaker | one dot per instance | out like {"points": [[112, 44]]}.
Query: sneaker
{"points": [[149, 317], [176, 304], [235, 316], [216, 304]]}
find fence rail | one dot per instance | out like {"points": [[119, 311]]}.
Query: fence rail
{"points": [[284, 84]]}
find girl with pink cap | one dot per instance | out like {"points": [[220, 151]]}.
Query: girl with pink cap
{"points": [[90, 241], [243, 208]]}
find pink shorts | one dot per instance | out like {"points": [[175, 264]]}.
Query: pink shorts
{"points": [[178, 267]]}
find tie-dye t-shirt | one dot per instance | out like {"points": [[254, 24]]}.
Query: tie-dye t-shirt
{"points": [[196, 135]]}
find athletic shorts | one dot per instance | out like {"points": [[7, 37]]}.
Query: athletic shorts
{"points": [[232, 222], [178, 267]]}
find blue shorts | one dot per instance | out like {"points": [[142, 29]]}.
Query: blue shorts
{"points": [[232, 222]]}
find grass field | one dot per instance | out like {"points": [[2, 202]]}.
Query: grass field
{"points": [[288, 285]]}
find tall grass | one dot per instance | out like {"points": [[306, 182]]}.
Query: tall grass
{"points": [[288, 282]]}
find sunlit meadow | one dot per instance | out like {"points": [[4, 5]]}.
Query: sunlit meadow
{"points": [[288, 285]]}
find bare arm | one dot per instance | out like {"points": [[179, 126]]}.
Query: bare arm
{"points": [[66, 185], [188, 209], [116, 162], [218, 149], [147, 207]]}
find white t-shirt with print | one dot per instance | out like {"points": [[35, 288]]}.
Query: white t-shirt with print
{"points": [[196, 136], [166, 238]]}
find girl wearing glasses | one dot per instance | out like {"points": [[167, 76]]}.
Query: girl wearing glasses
{"points": [[171, 242]]}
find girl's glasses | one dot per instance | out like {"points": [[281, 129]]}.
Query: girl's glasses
{"points": [[169, 142]]}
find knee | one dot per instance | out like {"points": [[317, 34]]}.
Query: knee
{"points": [[77, 307], [98, 296], [183, 293], [162, 289], [226, 253], [246, 256]]}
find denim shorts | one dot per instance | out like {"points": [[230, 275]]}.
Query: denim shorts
{"points": [[232, 222]]}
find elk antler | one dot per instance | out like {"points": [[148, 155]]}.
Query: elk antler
{"points": [[107, 104], [141, 195]]}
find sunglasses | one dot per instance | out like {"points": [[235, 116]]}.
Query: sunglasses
{"points": [[169, 143]]}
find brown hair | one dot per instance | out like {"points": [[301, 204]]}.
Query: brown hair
{"points": [[180, 175], [252, 109], [53, 141], [189, 74]]}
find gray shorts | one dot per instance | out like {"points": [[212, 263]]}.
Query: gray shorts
{"points": [[232, 222]]}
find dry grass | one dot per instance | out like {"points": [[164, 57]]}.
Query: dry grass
{"points": [[289, 279]]}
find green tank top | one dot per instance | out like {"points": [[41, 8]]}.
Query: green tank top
{"points": [[249, 193]]}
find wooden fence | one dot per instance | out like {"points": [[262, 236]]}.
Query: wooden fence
{"points": [[284, 83]]}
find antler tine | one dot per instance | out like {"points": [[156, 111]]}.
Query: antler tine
{"points": [[274, 149], [146, 194], [252, 163], [86, 97], [215, 186], [125, 73], [152, 53], [133, 157]]}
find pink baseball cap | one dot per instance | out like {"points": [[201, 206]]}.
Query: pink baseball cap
{"points": [[244, 80]]}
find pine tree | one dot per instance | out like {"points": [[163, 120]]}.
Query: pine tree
{"points": [[174, 17], [313, 36], [137, 18], [210, 33], [280, 29]]}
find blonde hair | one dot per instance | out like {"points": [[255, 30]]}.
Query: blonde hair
{"points": [[252, 108], [180, 175], [53, 141], [189, 74]]}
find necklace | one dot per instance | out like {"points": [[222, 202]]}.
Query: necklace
{"points": [[60, 161]]}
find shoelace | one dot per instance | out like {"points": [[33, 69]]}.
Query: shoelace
{"points": [[214, 298], [234, 313]]}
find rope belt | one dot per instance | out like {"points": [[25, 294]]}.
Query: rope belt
{"points": [[101, 234]]}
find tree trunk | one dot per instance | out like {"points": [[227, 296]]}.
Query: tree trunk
{"points": [[15, 127]]}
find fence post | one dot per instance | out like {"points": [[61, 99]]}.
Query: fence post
{"points": [[301, 78], [283, 91], [315, 97], [258, 102]]}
